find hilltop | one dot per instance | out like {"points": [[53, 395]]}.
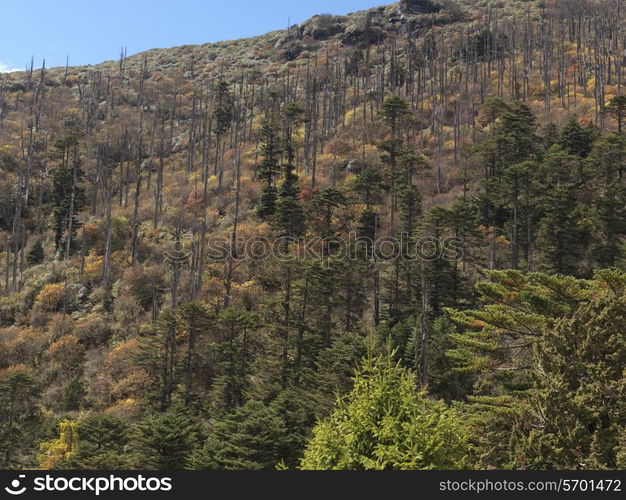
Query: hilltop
{"points": [[412, 20]]}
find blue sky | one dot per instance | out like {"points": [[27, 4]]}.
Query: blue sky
{"points": [[92, 31]]}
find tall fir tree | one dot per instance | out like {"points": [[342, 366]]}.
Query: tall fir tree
{"points": [[289, 211], [69, 196], [269, 169]]}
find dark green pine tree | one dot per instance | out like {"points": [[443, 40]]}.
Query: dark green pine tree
{"points": [[396, 113], [562, 238], [521, 188], [269, 169], [352, 278], [298, 408], [577, 140], [74, 395], [223, 106], [550, 135], [512, 140], [580, 395], [252, 438], [290, 222], [236, 350], [289, 211], [605, 162], [402, 279], [322, 297], [19, 415], [492, 109], [194, 320], [515, 138], [617, 109], [322, 213], [495, 346], [368, 185], [410, 208], [565, 229], [166, 440], [610, 209], [103, 439], [443, 279], [36, 254], [69, 196], [159, 356]]}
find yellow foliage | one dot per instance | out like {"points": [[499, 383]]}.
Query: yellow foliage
{"points": [[136, 383], [120, 379], [117, 359], [66, 351], [10, 370], [610, 91], [21, 345], [61, 448], [350, 114], [120, 259], [125, 408], [51, 296]]}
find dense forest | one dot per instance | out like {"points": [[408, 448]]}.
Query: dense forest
{"points": [[394, 239]]}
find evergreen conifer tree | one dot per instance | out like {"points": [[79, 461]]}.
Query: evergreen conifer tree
{"points": [[384, 423]]}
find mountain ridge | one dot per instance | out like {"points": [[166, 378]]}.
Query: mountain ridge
{"points": [[414, 18]]}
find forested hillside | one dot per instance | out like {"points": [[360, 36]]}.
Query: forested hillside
{"points": [[392, 239]]}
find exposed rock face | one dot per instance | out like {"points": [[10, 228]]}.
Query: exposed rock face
{"points": [[409, 18], [363, 28], [323, 26], [420, 6], [366, 29]]}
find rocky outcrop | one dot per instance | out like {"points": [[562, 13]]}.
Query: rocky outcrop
{"points": [[323, 26], [421, 6]]}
